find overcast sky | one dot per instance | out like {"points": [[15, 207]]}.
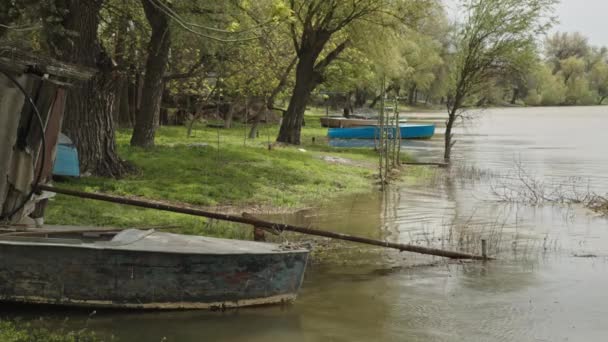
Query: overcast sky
{"points": [[589, 17]]}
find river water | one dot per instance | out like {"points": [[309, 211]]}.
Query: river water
{"points": [[547, 284]]}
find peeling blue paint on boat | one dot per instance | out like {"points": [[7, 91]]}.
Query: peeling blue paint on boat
{"points": [[149, 270], [408, 131]]}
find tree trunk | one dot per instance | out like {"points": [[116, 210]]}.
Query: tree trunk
{"points": [[253, 132], [122, 78], [360, 97], [447, 152], [156, 65], [88, 117], [348, 106], [229, 115], [449, 142], [293, 118], [124, 114], [514, 96], [412, 95], [377, 98]]}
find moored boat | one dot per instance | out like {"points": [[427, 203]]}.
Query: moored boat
{"points": [[146, 269], [82, 267], [342, 122], [407, 131]]}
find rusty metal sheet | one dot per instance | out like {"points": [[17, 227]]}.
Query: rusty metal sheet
{"points": [[11, 102], [53, 129]]}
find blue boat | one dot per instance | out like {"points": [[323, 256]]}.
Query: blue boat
{"points": [[66, 158], [408, 131]]}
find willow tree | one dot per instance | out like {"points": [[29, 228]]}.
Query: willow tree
{"points": [[71, 29], [146, 119], [495, 38], [320, 32], [599, 80]]}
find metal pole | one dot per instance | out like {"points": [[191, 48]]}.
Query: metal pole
{"points": [[246, 219]]}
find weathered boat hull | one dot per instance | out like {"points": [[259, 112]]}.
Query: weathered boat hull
{"points": [[118, 278], [340, 122], [408, 131]]}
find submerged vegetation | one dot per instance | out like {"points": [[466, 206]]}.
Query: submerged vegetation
{"points": [[16, 331]]}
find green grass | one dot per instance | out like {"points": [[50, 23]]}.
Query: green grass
{"points": [[15, 331], [235, 173]]}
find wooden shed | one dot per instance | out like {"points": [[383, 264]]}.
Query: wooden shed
{"points": [[32, 101]]}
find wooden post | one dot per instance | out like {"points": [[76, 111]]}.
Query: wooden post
{"points": [[484, 248], [259, 234]]}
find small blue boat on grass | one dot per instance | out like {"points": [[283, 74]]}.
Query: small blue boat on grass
{"points": [[408, 131]]}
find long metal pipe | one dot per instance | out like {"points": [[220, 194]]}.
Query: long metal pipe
{"points": [[247, 219]]}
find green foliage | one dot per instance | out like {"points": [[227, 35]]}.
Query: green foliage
{"points": [[581, 78], [561, 46], [545, 88], [496, 38], [599, 80]]}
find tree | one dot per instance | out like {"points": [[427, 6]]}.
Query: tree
{"points": [[564, 45], [572, 71], [544, 88], [72, 35], [319, 32], [497, 36], [124, 33], [147, 117], [599, 80]]}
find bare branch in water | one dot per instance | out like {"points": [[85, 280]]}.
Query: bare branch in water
{"points": [[520, 186]]}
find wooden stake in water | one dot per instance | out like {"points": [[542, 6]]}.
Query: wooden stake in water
{"points": [[381, 131], [398, 130], [484, 248], [246, 118]]}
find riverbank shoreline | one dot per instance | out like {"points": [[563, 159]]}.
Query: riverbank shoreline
{"points": [[220, 170]]}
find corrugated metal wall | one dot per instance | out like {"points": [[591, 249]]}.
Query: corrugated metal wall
{"points": [[11, 104]]}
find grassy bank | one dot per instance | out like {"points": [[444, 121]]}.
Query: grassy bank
{"points": [[219, 168], [11, 331]]}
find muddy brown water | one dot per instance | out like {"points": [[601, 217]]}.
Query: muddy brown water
{"points": [[548, 284]]}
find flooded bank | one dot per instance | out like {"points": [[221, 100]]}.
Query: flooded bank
{"points": [[548, 283]]}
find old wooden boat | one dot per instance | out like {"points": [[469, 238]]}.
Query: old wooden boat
{"points": [[147, 269], [342, 122], [407, 131]]}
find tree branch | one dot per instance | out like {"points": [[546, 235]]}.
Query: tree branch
{"points": [[321, 65]]}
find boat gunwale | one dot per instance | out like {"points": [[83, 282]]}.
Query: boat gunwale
{"points": [[66, 302], [124, 248]]}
